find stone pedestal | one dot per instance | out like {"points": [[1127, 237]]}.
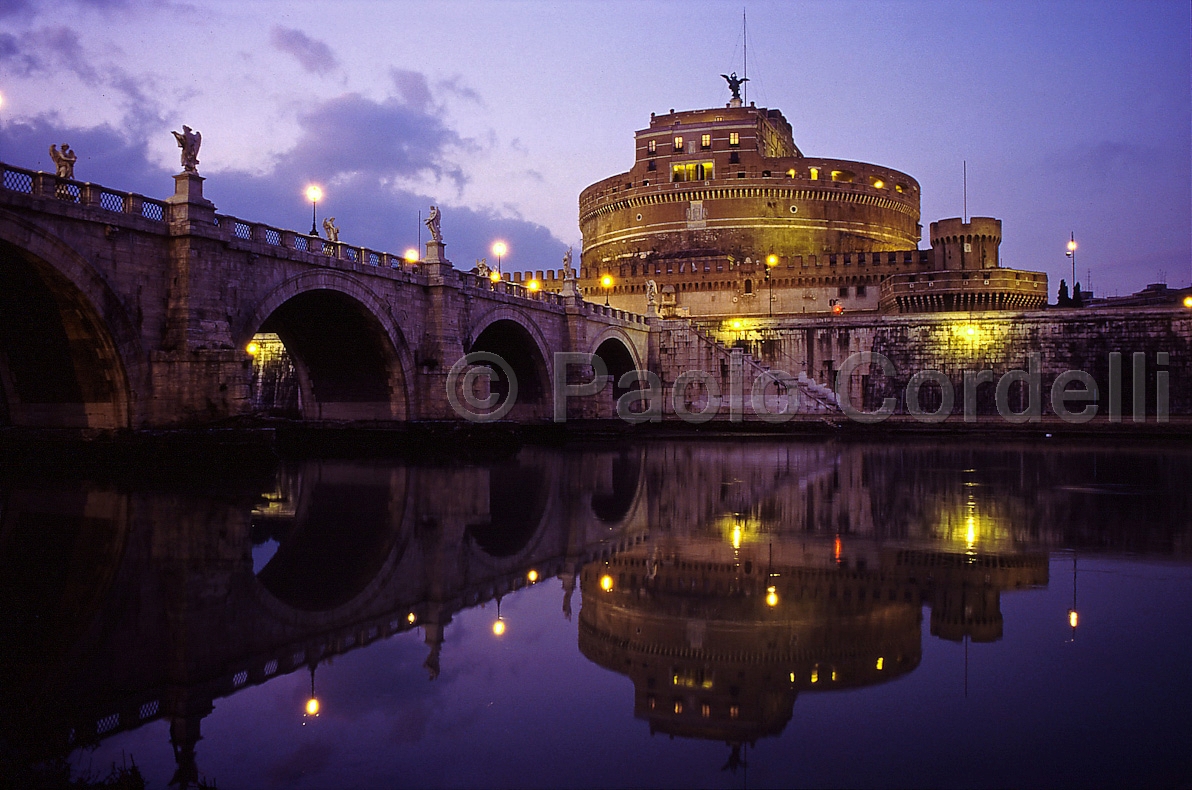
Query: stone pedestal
{"points": [[187, 204], [435, 263]]}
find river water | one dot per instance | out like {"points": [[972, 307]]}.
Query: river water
{"points": [[696, 613]]}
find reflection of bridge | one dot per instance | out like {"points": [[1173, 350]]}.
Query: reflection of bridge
{"points": [[156, 595], [118, 310]]}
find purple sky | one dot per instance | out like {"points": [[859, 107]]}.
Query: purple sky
{"points": [[1071, 116]]}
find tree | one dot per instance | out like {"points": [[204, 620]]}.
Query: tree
{"points": [[1062, 300]]}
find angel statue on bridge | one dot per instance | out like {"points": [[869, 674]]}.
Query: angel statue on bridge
{"points": [[189, 141], [432, 224], [64, 160], [330, 229]]}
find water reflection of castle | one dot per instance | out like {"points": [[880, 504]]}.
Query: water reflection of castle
{"points": [[719, 633], [862, 537]]}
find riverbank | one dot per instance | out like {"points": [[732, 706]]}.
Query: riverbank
{"points": [[217, 451]]}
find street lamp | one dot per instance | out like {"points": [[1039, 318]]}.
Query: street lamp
{"points": [[314, 194], [606, 282], [499, 249], [411, 256], [1072, 255], [771, 262]]}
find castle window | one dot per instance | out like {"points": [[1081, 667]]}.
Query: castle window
{"points": [[892, 257], [844, 176], [790, 173], [815, 174], [765, 174], [678, 144], [842, 291], [740, 174], [705, 142], [749, 286], [651, 165], [899, 188], [692, 171], [652, 146], [876, 182], [734, 158], [734, 138]]}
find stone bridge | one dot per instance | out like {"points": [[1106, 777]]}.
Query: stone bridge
{"points": [[123, 311]]}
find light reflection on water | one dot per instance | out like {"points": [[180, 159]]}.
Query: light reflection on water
{"points": [[665, 614]]}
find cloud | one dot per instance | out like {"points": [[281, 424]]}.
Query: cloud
{"points": [[413, 88], [313, 55], [455, 86], [353, 134]]}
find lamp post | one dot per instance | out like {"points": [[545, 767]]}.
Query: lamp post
{"points": [[1072, 255], [771, 262], [606, 282], [314, 194], [499, 249]]}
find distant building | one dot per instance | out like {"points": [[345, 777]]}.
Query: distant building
{"points": [[725, 213]]}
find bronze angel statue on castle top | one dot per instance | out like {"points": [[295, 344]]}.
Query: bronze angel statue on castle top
{"points": [[735, 83]]}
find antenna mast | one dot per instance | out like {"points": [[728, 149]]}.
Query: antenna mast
{"points": [[745, 50], [965, 180]]}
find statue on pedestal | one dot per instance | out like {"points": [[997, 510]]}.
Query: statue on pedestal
{"points": [[482, 267], [64, 160], [734, 84], [330, 229], [651, 295], [432, 224], [568, 272], [189, 141]]}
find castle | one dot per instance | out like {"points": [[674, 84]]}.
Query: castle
{"points": [[724, 213]]}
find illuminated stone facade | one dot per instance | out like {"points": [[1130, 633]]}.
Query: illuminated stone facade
{"points": [[724, 212]]}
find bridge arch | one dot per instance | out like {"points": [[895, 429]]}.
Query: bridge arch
{"points": [[516, 338], [350, 357], [68, 351], [620, 357]]}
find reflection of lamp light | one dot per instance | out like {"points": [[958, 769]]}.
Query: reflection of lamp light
{"points": [[312, 704], [533, 285], [253, 348], [1073, 616], [499, 624], [411, 618], [532, 576], [771, 596], [314, 194], [606, 583]]}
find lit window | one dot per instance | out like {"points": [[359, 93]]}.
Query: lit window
{"points": [[844, 176], [705, 710], [678, 706], [790, 173], [652, 146], [693, 171], [734, 138], [734, 711], [705, 142], [678, 144], [815, 174]]}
